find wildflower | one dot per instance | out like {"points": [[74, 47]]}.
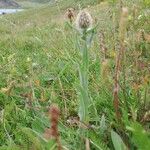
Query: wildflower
{"points": [[84, 21], [28, 59], [140, 17]]}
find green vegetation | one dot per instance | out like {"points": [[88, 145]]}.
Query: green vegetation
{"points": [[39, 57]]}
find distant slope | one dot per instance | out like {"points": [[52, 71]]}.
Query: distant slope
{"points": [[8, 3], [35, 1], [41, 1]]}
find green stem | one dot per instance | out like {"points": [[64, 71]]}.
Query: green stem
{"points": [[87, 37], [84, 99]]}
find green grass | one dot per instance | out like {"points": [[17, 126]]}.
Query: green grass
{"points": [[38, 67]]}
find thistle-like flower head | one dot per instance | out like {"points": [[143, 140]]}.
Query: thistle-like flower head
{"points": [[70, 14], [83, 21]]}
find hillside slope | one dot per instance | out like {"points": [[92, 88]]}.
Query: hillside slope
{"points": [[8, 3]]}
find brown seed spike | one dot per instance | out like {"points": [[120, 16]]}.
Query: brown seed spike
{"points": [[70, 14], [54, 115], [52, 132]]}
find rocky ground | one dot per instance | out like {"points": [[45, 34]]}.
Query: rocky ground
{"points": [[8, 3]]}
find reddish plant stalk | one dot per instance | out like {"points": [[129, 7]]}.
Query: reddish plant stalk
{"points": [[119, 59], [53, 132], [103, 45], [116, 87]]}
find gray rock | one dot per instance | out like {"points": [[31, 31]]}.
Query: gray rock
{"points": [[8, 3]]}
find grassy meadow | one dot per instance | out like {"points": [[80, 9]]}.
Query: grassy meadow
{"points": [[40, 55]]}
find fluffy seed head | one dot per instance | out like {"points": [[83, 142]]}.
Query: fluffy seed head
{"points": [[70, 14], [83, 21]]}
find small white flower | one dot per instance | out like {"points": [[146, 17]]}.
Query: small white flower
{"points": [[28, 59], [139, 17]]}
